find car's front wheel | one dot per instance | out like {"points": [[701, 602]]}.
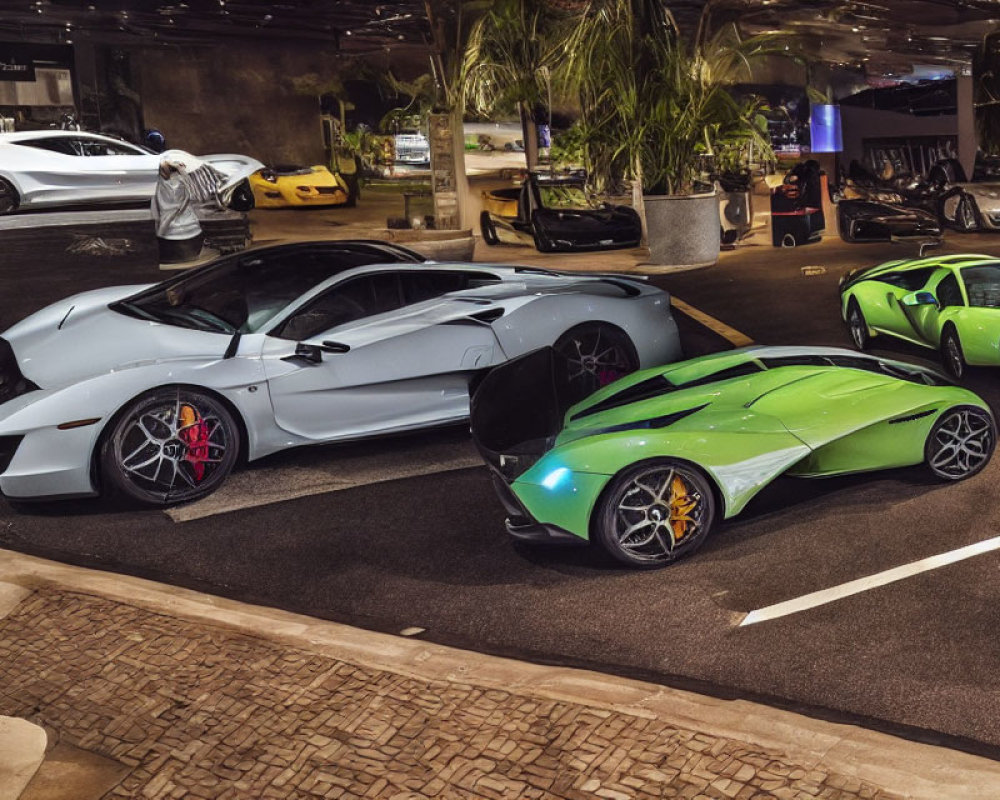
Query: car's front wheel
{"points": [[596, 355], [171, 445], [9, 200], [961, 443], [858, 325], [654, 513], [951, 353]]}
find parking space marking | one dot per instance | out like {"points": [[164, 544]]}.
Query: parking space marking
{"points": [[731, 335], [859, 585], [387, 461]]}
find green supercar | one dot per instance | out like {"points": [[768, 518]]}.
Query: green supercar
{"points": [[646, 465], [948, 303]]}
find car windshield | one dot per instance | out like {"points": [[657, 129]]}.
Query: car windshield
{"points": [[982, 285], [564, 195], [241, 294]]}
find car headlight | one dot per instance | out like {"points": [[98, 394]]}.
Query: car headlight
{"points": [[268, 175]]}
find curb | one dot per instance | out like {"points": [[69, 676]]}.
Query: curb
{"points": [[911, 769], [22, 750]]}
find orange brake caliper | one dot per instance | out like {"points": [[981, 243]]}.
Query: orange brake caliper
{"points": [[681, 506]]}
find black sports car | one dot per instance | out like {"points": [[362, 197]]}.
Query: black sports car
{"points": [[873, 221], [557, 214], [898, 208]]}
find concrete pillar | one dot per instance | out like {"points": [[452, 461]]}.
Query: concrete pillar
{"points": [[85, 85], [966, 119]]}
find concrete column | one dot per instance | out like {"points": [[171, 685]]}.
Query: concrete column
{"points": [[966, 119], [85, 85]]}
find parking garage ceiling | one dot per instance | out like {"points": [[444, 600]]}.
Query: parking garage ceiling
{"points": [[885, 36], [348, 24]]}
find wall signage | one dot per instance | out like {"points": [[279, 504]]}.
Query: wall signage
{"points": [[16, 63]]}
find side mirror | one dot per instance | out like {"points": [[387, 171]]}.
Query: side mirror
{"points": [[313, 353], [919, 299]]}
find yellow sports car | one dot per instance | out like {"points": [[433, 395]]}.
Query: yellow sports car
{"points": [[283, 186]]}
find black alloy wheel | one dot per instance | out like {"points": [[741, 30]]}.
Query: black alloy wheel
{"points": [[961, 443], [488, 229], [9, 200], [858, 326], [951, 353], [596, 355], [654, 513], [172, 445]]}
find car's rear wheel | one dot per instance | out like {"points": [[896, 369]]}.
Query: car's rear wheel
{"points": [[596, 355], [961, 443], [9, 199], [858, 326], [966, 214], [654, 513], [488, 228], [242, 199], [169, 446], [951, 353]]}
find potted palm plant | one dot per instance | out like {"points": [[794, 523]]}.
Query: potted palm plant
{"points": [[655, 106]]}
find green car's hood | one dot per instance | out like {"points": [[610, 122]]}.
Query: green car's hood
{"points": [[814, 393]]}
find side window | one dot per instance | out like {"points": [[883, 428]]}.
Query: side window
{"points": [[420, 285], [61, 144], [100, 147], [911, 280], [346, 302], [948, 293]]}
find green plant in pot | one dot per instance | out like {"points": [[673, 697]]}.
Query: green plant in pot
{"points": [[654, 106]]}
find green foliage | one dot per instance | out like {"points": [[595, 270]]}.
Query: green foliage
{"points": [[654, 106], [509, 54], [567, 148]]}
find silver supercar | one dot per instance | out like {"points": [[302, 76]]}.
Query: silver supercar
{"points": [[156, 392]]}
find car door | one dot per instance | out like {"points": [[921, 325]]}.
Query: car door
{"points": [[928, 318], [116, 170], [884, 307], [374, 353]]}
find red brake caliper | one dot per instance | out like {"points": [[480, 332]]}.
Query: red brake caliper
{"points": [[194, 433]]}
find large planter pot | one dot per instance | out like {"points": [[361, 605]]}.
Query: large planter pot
{"points": [[683, 230]]}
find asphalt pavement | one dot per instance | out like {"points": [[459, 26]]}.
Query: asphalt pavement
{"points": [[916, 657]]}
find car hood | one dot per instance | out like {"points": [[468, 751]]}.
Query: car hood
{"points": [[81, 337], [730, 394]]}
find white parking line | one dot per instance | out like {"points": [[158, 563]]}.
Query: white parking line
{"points": [[731, 335], [834, 593], [330, 470]]}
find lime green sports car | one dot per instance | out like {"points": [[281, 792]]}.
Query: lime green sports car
{"points": [[646, 465], [948, 303]]}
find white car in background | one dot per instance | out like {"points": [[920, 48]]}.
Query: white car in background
{"points": [[154, 392], [48, 168]]}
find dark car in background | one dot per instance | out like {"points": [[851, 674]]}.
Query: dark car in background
{"points": [[557, 213]]}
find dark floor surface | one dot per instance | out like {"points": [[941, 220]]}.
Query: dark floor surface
{"points": [[920, 656]]}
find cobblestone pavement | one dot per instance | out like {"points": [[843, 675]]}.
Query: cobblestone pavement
{"points": [[198, 711]]}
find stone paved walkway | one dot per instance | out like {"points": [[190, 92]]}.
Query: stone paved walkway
{"points": [[203, 712]]}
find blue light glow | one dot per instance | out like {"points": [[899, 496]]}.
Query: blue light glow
{"points": [[555, 477], [824, 129]]}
